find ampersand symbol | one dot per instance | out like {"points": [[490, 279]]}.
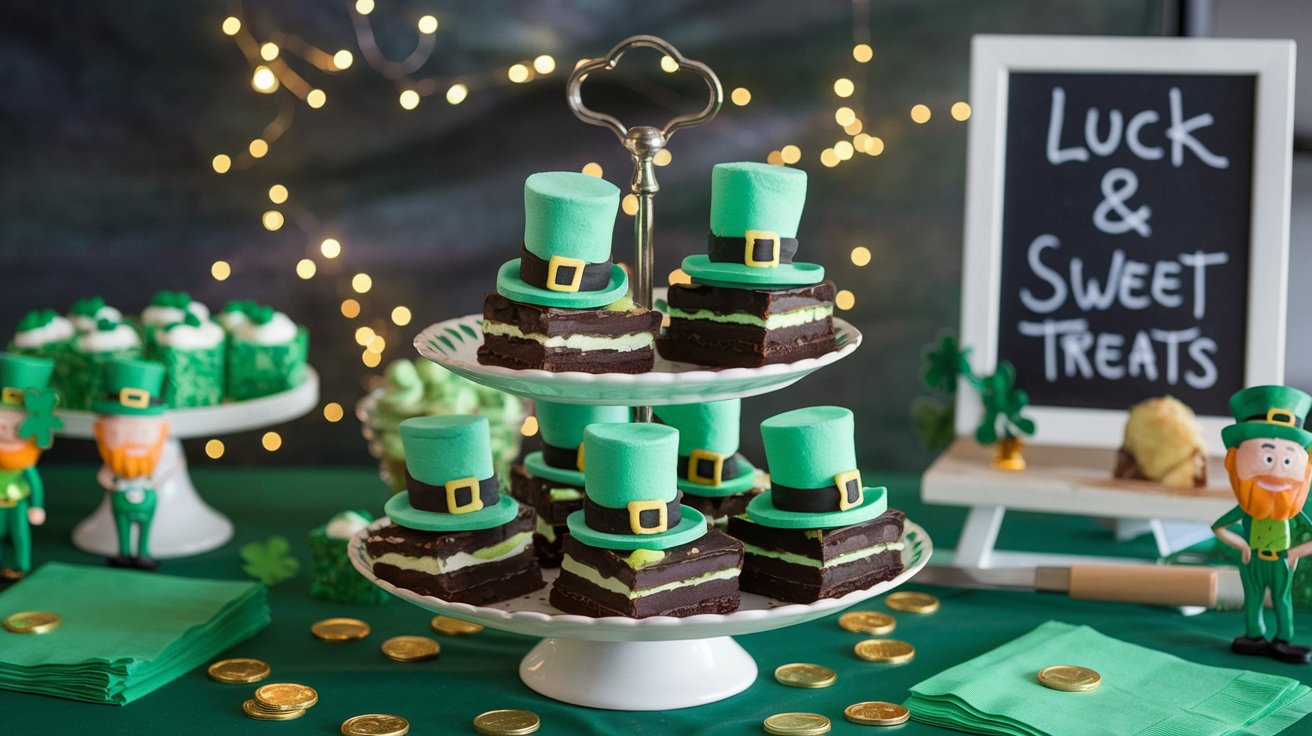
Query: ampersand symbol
{"points": [[1118, 185]]}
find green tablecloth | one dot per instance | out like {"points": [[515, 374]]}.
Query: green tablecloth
{"points": [[479, 673]]}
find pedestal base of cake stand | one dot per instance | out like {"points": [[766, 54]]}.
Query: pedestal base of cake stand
{"points": [[184, 524], [638, 675]]}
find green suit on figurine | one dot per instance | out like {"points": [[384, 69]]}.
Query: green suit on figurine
{"points": [[26, 423], [130, 434], [1268, 462]]}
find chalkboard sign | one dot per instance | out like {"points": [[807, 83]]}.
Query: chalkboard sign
{"points": [[1127, 224]]}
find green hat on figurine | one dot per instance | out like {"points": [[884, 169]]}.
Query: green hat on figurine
{"points": [[814, 481], [132, 387], [565, 261], [20, 374], [562, 459], [709, 463], [755, 209], [450, 483], [631, 495], [1268, 411]]}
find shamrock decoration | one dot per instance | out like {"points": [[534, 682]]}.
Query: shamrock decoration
{"points": [[41, 422], [270, 561], [1003, 401], [944, 363], [933, 417], [260, 315], [87, 307]]}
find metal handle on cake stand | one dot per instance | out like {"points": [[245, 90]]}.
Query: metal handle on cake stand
{"points": [[643, 142]]}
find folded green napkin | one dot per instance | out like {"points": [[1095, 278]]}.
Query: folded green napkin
{"points": [[1142, 692], [124, 633]]}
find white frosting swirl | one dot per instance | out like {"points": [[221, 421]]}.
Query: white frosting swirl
{"points": [[345, 525], [232, 321], [83, 323], [56, 330], [157, 316], [278, 331], [183, 336], [102, 341]]}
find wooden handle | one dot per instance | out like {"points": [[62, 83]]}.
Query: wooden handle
{"points": [[1162, 585]]}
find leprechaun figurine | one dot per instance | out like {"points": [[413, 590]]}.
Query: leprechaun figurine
{"points": [[130, 434], [1267, 459], [27, 423]]}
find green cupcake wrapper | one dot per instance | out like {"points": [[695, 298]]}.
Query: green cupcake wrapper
{"points": [[85, 382], [334, 578], [261, 370], [194, 377]]}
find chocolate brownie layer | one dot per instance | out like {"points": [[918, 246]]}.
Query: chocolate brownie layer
{"points": [[558, 322], [755, 579], [720, 596], [536, 492], [515, 336], [477, 585], [821, 544], [717, 509], [416, 543], [759, 302], [715, 342]]}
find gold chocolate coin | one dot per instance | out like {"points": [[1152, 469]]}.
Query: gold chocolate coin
{"points": [[507, 723], [375, 724], [253, 709], [797, 724], [886, 651], [239, 671], [868, 622], [411, 648], [32, 622], [454, 626], [340, 629], [1069, 678], [910, 601], [876, 713], [286, 696], [805, 675]]}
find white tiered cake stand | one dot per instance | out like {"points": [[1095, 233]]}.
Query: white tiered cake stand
{"points": [[184, 524]]}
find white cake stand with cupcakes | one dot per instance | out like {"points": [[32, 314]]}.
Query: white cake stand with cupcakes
{"points": [[597, 661]]}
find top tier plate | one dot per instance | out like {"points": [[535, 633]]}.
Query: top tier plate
{"points": [[454, 345]]}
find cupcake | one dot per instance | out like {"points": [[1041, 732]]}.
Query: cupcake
{"points": [[86, 313], [192, 351], [233, 314], [168, 308], [334, 577], [266, 355], [110, 340], [43, 333]]}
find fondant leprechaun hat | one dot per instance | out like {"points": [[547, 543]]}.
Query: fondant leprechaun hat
{"points": [[562, 457], [814, 481], [709, 463], [565, 260], [450, 483], [631, 495], [1268, 411], [132, 387], [20, 374], [755, 209]]}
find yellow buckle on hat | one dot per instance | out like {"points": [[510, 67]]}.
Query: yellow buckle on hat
{"points": [[1280, 416], [717, 467], [749, 250], [636, 508], [475, 502], [842, 480], [579, 463], [558, 262], [134, 398], [12, 395]]}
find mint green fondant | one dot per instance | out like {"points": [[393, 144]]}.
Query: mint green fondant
{"points": [[512, 287], [141, 375], [630, 462], [538, 468], [502, 547], [741, 483], [562, 425], [780, 320], [793, 558], [618, 343], [545, 528], [756, 196], [24, 372], [448, 447], [737, 276], [398, 508], [806, 448], [691, 527], [640, 558], [594, 576], [570, 214], [762, 511], [1256, 401], [565, 494], [709, 425]]}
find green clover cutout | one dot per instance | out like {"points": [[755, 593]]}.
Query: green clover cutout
{"points": [[944, 363], [41, 422], [1002, 400], [269, 561]]}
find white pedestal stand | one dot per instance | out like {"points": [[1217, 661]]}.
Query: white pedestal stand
{"points": [[184, 524]]}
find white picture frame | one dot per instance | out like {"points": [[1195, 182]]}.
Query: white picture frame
{"points": [[993, 59]]}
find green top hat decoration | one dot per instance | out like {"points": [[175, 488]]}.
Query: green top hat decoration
{"points": [[1268, 411], [814, 480], [755, 209], [562, 458], [631, 492], [24, 382], [132, 388], [569, 218], [451, 485], [709, 463]]}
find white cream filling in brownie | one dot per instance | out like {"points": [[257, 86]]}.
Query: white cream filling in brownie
{"points": [[503, 550], [620, 344], [613, 585], [547, 531], [791, 318], [843, 559]]}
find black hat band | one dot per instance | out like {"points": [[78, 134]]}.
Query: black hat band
{"points": [[759, 249], [460, 496], [569, 275], [638, 517]]}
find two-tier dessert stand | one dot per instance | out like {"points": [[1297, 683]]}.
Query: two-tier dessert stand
{"points": [[618, 663]]}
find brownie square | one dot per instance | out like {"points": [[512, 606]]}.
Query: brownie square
{"points": [[527, 336], [718, 509], [552, 504], [805, 565], [722, 327]]}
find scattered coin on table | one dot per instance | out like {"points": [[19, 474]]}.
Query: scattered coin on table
{"points": [[868, 622], [1069, 678], [885, 651], [876, 713], [454, 626], [910, 601], [286, 696], [32, 622], [797, 724], [239, 671], [253, 709], [340, 629], [411, 648], [799, 674], [375, 724], [507, 723]]}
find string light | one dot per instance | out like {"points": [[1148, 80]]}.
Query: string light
{"points": [[263, 80], [662, 157], [350, 308], [518, 73], [669, 65], [220, 270], [364, 335], [410, 99], [271, 441], [629, 204], [843, 150], [844, 115], [775, 158], [920, 114], [272, 220], [330, 248], [333, 412], [427, 25], [853, 127], [258, 148], [741, 96], [790, 154], [456, 93], [861, 256], [362, 283], [377, 345], [862, 53], [371, 360], [829, 158], [961, 111], [221, 163], [214, 449], [844, 300], [306, 268], [364, 7], [679, 276], [529, 427], [592, 168], [269, 51], [231, 26], [343, 59], [278, 194], [544, 64], [875, 146], [861, 141], [316, 98], [843, 87], [401, 316]]}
